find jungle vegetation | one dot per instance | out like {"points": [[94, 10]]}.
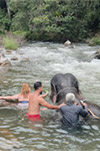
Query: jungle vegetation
{"points": [[51, 20]]}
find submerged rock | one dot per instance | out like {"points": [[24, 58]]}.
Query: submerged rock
{"points": [[97, 54], [4, 62], [14, 58]]}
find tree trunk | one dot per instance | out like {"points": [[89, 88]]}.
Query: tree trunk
{"points": [[8, 10]]}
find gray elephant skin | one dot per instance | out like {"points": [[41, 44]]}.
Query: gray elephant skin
{"points": [[62, 84]]}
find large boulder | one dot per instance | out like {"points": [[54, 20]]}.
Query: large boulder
{"points": [[97, 54], [4, 62]]}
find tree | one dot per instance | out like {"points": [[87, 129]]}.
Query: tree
{"points": [[54, 20], [8, 10]]}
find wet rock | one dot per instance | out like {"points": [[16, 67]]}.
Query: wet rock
{"points": [[97, 54], [68, 44], [4, 62], [14, 58], [9, 52]]}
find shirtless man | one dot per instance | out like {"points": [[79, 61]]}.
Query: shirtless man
{"points": [[36, 100]]}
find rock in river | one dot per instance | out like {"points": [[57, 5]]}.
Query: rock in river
{"points": [[4, 62], [97, 54]]}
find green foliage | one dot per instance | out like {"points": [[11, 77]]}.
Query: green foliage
{"points": [[4, 21], [2, 4], [19, 33], [55, 20], [95, 41], [10, 43]]}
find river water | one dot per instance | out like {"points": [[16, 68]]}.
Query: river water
{"points": [[40, 62]]}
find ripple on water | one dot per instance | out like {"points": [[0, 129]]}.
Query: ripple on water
{"points": [[41, 61]]}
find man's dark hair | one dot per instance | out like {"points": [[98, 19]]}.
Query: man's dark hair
{"points": [[37, 85]]}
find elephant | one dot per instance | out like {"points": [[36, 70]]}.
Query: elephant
{"points": [[62, 84]]}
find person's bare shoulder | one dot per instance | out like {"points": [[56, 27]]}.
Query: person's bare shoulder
{"points": [[31, 96], [41, 99]]}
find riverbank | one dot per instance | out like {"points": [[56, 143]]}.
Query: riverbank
{"points": [[94, 40], [12, 40]]}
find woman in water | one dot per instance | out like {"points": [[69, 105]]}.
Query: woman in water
{"points": [[22, 97]]}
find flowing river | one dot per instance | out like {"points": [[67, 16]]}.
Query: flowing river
{"points": [[40, 62]]}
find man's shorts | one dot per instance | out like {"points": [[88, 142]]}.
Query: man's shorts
{"points": [[36, 116]]}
